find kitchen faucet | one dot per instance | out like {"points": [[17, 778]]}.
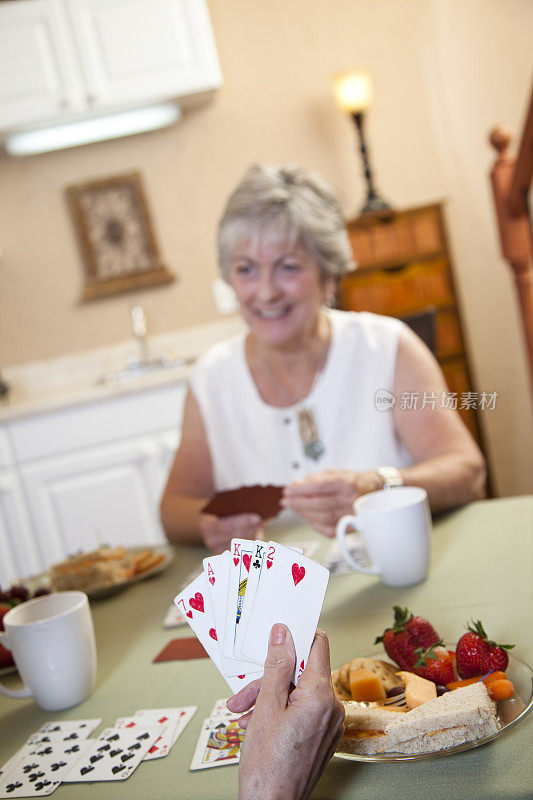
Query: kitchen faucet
{"points": [[145, 363]]}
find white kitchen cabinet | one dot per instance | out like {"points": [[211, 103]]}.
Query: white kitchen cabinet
{"points": [[63, 60], [103, 495], [39, 76], [19, 551], [139, 50], [75, 477]]}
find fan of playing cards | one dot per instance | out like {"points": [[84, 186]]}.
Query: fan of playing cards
{"points": [[241, 594]]}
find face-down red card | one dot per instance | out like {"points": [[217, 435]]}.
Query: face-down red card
{"points": [[262, 500]]}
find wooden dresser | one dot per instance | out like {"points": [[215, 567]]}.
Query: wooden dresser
{"points": [[404, 269]]}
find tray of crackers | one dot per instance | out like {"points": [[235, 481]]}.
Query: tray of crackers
{"points": [[106, 570]]}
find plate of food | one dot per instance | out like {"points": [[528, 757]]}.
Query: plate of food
{"points": [[105, 571], [396, 714]]}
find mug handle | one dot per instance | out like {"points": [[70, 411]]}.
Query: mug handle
{"points": [[16, 693], [350, 521]]}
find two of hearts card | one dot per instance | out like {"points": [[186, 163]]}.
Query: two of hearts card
{"points": [[233, 604]]}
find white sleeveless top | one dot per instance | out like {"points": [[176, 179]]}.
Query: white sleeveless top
{"points": [[251, 442]]}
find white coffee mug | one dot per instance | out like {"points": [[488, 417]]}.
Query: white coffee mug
{"points": [[52, 641], [396, 527]]}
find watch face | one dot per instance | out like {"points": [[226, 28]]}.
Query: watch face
{"points": [[391, 476]]}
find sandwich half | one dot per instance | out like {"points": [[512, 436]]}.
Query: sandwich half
{"points": [[457, 717], [365, 729]]}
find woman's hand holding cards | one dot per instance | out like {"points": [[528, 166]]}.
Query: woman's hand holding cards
{"points": [[292, 732], [324, 497], [217, 532]]}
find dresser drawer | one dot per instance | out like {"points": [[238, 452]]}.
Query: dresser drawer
{"points": [[397, 239], [400, 291]]}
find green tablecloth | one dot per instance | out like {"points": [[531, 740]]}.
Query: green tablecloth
{"points": [[482, 567]]}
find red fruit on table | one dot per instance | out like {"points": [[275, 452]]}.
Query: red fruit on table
{"points": [[422, 632], [41, 591], [407, 633], [435, 664], [19, 593], [6, 659], [4, 608], [476, 655]]}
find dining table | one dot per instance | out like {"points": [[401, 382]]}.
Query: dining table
{"points": [[481, 568]]}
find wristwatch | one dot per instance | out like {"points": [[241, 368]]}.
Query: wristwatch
{"points": [[391, 477]]}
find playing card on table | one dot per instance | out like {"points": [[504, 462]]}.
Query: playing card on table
{"points": [[65, 730], [114, 755], [183, 715], [217, 572], [193, 602], [219, 744], [291, 590], [173, 618], [39, 769], [162, 745], [220, 708]]}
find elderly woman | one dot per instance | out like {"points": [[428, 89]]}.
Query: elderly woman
{"points": [[292, 401]]}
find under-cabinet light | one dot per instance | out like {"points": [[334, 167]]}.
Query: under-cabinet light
{"points": [[110, 126]]}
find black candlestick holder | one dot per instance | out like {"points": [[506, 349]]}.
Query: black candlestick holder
{"points": [[373, 201]]}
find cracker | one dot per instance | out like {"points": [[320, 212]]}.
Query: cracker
{"points": [[386, 672], [146, 560], [340, 691]]}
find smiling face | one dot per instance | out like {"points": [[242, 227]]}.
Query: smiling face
{"points": [[280, 289]]}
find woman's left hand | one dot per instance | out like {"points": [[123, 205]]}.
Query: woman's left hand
{"points": [[292, 732], [323, 498]]}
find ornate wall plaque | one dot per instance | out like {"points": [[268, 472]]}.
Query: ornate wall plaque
{"points": [[116, 236]]}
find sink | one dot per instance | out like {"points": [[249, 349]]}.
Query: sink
{"points": [[138, 369]]}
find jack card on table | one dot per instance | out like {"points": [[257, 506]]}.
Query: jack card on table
{"points": [[219, 743], [291, 590]]}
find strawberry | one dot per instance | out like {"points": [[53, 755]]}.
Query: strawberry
{"points": [[6, 659], [476, 654], [435, 664], [405, 636], [422, 632]]}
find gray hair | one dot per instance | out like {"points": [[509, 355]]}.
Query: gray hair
{"points": [[291, 203]]}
